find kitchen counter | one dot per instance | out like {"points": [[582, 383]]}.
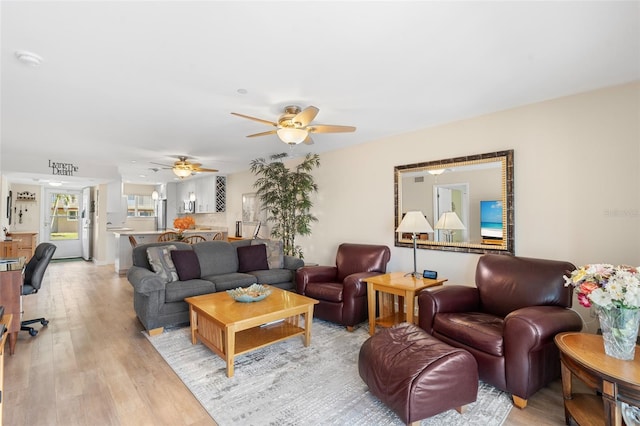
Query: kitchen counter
{"points": [[128, 231], [123, 260]]}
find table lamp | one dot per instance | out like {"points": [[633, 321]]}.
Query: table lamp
{"points": [[414, 222], [448, 222]]}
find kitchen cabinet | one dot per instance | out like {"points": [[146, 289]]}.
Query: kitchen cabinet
{"points": [[116, 202], [27, 242], [184, 190], [9, 248], [209, 191], [206, 195]]}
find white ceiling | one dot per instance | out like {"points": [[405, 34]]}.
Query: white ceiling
{"points": [[144, 81]]}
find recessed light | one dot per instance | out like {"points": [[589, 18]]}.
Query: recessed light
{"points": [[29, 58]]}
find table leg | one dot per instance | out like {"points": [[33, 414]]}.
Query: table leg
{"points": [[566, 390], [308, 319], [371, 296], [409, 297], [13, 338], [229, 349], [612, 413], [401, 313], [193, 322]]}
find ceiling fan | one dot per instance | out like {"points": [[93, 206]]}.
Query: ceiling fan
{"points": [[294, 126], [184, 168]]}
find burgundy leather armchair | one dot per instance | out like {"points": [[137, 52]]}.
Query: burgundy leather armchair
{"points": [[507, 322], [340, 289]]}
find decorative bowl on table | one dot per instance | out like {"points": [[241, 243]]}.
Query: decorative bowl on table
{"points": [[253, 293]]}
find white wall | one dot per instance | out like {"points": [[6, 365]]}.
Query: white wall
{"points": [[577, 183]]}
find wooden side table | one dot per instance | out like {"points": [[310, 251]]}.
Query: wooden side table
{"points": [[583, 356], [399, 284]]}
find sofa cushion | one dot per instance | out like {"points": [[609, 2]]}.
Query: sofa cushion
{"points": [[161, 263], [275, 252], [252, 258], [187, 264], [177, 291], [273, 276], [331, 292], [216, 257], [474, 329], [225, 282]]}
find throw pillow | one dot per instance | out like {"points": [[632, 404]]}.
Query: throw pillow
{"points": [[161, 263], [275, 252], [187, 264], [252, 258]]}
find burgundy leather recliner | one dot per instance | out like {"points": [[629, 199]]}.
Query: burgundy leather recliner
{"points": [[507, 322], [340, 289]]}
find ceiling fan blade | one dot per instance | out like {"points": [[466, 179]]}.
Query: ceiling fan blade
{"points": [[163, 165], [270, 132], [329, 128], [308, 140], [200, 169], [259, 120], [305, 116]]}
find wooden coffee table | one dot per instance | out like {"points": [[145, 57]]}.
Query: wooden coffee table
{"points": [[231, 328], [583, 356]]}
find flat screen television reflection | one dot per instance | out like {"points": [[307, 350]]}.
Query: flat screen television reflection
{"points": [[491, 219]]}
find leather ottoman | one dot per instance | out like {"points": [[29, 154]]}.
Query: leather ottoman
{"points": [[415, 374]]}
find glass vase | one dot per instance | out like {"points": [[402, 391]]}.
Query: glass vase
{"points": [[619, 331]]}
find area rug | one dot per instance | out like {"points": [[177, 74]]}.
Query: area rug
{"points": [[288, 384]]}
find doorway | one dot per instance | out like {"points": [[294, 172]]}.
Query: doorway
{"points": [[452, 198], [61, 222]]}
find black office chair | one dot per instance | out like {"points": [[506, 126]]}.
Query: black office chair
{"points": [[33, 275]]}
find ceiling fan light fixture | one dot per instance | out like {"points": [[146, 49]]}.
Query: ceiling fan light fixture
{"points": [[181, 173], [291, 135]]}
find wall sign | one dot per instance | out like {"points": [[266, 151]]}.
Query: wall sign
{"points": [[63, 169]]}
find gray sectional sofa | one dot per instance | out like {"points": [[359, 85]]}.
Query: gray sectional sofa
{"points": [[158, 298]]}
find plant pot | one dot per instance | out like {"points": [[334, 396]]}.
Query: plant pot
{"points": [[619, 331]]}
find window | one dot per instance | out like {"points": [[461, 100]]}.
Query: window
{"points": [[140, 206]]}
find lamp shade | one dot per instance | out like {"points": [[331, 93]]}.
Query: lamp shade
{"points": [[155, 195], [414, 221], [449, 220], [291, 135]]}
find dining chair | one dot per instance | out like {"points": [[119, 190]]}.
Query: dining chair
{"points": [[192, 239], [133, 241], [218, 236], [33, 276], [168, 236]]}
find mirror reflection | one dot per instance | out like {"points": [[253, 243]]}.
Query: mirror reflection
{"points": [[467, 201]]}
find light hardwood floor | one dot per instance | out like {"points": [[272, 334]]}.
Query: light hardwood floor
{"points": [[92, 366]]}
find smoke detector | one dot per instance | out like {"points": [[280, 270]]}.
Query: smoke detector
{"points": [[29, 58]]}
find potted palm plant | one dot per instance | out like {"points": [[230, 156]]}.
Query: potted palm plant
{"points": [[286, 196]]}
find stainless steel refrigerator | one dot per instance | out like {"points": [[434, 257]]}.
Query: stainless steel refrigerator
{"points": [[161, 215], [87, 215]]}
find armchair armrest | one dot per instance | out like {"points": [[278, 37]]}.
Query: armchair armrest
{"points": [[451, 298], [528, 329], [310, 274], [531, 356], [355, 286], [145, 281]]}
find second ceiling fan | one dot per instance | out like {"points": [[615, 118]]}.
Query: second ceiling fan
{"points": [[294, 126]]}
